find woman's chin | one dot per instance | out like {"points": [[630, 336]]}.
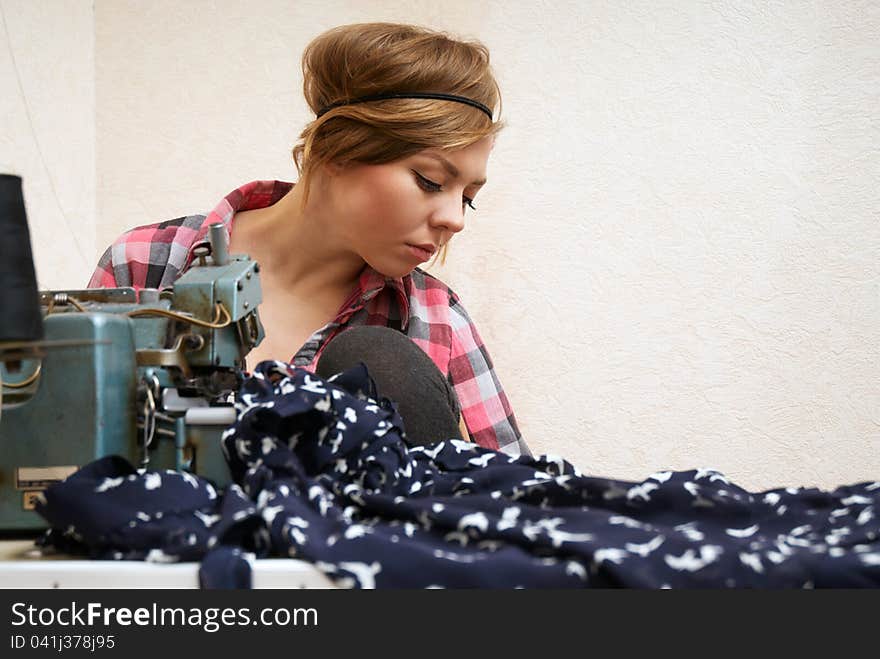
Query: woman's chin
{"points": [[393, 270]]}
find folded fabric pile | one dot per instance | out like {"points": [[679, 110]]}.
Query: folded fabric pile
{"points": [[322, 473]]}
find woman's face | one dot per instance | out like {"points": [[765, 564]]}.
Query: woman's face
{"points": [[396, 215]]}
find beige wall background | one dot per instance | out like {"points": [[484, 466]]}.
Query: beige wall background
{"points": [[47, 129], [674, 264]]}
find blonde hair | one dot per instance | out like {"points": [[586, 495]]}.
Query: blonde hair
{"points": [[364, 59]]}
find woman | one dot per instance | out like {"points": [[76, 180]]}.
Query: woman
{"points": [[396, 154]]}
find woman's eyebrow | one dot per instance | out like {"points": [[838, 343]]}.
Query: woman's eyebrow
{"points": [[449, 167]]}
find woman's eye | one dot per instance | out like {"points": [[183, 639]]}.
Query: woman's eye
{"points": [[427, 184]]}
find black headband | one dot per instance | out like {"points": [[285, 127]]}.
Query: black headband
{"points": [[382, 97]]}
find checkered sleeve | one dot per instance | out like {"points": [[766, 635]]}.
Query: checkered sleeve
{"points": [[103, 277], [150, 256], [484, 405]]}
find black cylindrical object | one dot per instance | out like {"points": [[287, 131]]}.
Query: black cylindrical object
{"points": [[20, 318]]}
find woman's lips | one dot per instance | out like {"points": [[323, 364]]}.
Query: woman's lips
{"points": [[420, 252]]}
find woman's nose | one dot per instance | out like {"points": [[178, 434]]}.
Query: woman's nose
{"points": [[449, 216]]}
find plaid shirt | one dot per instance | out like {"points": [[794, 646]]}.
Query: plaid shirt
{"points": [[420, 305]]}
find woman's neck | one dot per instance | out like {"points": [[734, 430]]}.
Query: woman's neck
{"points": [[296, 248]]}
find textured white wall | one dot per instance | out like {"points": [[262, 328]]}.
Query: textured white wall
{"points": [[675, 263], [47, 129]]}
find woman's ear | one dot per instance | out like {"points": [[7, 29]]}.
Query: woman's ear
{"points": [[333, 168]]}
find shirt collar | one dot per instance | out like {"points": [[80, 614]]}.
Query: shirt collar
{"points": [[372, 282], [260, 194], [250, 196]]}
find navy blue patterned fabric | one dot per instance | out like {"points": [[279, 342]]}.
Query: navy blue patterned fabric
{"points": [[323, 474]]}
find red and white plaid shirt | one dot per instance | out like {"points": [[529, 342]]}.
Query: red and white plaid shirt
{"points": [[420, 305]]}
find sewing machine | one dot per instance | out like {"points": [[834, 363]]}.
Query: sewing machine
{"points": [[146, 375]]}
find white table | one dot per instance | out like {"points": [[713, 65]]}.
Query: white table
{"points": [[22, 565]]}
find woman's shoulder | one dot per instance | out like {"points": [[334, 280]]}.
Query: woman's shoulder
{"points": [[425, 282], [149, 255], [430, 296], [180, 231]]}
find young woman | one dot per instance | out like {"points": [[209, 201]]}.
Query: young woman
{"points": [[394, 158]]}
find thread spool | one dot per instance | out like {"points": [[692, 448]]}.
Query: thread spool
{"points": [[20, 318]]}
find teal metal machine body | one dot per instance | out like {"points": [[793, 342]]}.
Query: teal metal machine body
{"points": [[117, 378]]}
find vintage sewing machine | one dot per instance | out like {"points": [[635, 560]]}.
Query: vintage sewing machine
{"points": [[146, 375]]}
